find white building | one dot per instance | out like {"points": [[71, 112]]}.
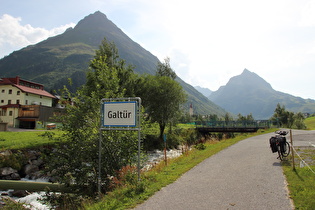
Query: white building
{"points": [[16, 92]]}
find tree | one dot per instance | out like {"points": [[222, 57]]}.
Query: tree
{"points": [[164, 69], [288, 119], [163, 99], [299, 121], [76, 160], [213, 117], [249, 117], [228, 117], [280, 115], [163, 96], [107, 59]]}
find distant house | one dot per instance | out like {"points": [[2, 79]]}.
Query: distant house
{"points": [[22, 102]]}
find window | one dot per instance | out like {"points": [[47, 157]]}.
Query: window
{"points": [[10, 113], [3, 112], [9, 101], [10, 91], [18, 93], [26, 102], [2, 101], [2, 91], [17, 101]]}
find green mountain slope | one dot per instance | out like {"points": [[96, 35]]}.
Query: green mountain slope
{"points": [[248, 93], [53, 61]]}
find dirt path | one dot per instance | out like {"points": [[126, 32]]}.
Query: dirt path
{"points": [[246, 175]]}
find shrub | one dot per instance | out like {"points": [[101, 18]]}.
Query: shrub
{"points": [[200, 146], [190, 136], [15, 160], [127, 177], [173, 140]]}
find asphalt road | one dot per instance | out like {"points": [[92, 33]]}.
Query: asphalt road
{"points": [[246, 175], [303, 138]]}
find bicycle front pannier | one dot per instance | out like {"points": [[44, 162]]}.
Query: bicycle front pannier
{"points": [[273, 144]]}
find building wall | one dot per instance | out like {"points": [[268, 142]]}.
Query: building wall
{"points": [[38, 100], [9, 116], [18, 97], [8, 92]]}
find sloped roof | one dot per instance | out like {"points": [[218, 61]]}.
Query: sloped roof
{"points": [[34, 91], [15, 82]]}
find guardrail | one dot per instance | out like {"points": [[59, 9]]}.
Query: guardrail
{"points": [[231, 126], [235, 124]]}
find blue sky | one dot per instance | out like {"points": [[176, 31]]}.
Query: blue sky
{"points": [[208, 41]]}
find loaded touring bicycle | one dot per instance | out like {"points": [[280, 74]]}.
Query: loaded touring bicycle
{"points": [[279, 144]]}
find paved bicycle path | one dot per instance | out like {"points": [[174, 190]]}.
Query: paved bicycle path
{"points": [[246, 175]]}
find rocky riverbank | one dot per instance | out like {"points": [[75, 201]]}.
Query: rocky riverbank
{"points": [[17, 164], [29, 165]]}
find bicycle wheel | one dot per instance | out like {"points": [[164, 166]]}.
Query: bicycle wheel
{"points": [[279, 152], [286, 150]]}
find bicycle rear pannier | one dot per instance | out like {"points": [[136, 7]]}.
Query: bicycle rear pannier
{"points": [[273, 144]]}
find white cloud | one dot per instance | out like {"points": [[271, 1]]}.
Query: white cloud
{"points": [[307, 14], [14, 36], [208, 41]]}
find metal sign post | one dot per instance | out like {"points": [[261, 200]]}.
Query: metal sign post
{"points": [[120, 114], [165, 156]]}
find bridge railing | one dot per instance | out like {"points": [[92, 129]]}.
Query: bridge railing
{"points": [[234, 124]]}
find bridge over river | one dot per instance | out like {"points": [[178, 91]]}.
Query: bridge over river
{"points": [[205, 127]]}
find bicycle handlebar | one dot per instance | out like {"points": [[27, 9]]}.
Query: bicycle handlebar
{"points": [[283, 133]]}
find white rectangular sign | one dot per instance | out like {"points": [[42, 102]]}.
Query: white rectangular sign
{"points": [[119, 114]]}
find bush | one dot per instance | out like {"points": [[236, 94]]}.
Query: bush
{"points": [[127, 177], [68, 201], [190, 136], [173, 140], [152, 142], [15, 160], [200, 146], [11, 204]]}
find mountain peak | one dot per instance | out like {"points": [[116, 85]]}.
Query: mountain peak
{"points": [[249, 79], [246, 71], [95, 16], [249, 93], [95, 20]]}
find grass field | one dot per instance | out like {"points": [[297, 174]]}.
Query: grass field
{"points": [[23, 140], [310, 123], [301, 180]]}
